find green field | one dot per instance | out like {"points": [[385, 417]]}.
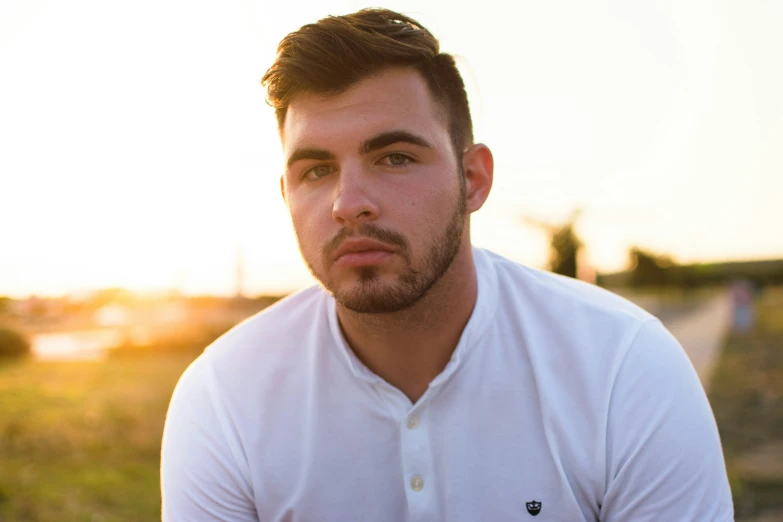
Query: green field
{"points": [[80, 441], [747, 398]]}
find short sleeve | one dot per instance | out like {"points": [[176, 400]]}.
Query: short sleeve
{"points": [[201, 478], [664, 457]]}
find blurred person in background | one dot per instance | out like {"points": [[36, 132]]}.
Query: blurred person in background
{"points": [[425, 379]]}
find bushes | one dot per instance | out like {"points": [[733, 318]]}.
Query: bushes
{"points": [[13, 343]]}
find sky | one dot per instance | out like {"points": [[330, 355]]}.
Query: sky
{"points": [[136, 148]]}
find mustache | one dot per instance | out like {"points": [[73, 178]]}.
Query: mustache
{"points": [[371, 231]]}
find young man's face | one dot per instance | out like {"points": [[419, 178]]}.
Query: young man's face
{"points": [[374, 189]]}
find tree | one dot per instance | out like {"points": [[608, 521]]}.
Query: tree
{"points": [[564, 244], [649, 269]]}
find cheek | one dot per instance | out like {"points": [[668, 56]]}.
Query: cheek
{"points": [[424, 218], [310, 227]]}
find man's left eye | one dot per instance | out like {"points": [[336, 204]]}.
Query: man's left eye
{"points": [[397, 160]]}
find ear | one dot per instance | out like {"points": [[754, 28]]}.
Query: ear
{"points": [[478, 165], [282, 188]]}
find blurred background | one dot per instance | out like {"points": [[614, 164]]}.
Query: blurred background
{"points": [[638, 146]]}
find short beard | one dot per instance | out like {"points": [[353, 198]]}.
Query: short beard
{"points": [[371, 295]]}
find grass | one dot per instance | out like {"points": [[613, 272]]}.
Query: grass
{"points": [[746, 394], [80, 441]]}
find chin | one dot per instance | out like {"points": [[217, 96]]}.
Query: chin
{"points": [[372, 293]]}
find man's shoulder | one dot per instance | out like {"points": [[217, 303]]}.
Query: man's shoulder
{"points": [[546, 291], [251, 364], [276, 330]]}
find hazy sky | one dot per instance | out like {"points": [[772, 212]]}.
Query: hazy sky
{"points": [[136, 148]]}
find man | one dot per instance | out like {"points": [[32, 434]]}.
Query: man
{"points": [[427, 380]]}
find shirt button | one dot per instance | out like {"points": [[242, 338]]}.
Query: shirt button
{"points": [[413, 421], [417, 483]]}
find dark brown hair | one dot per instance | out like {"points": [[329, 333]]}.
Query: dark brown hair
{"points": [[333, 54]]}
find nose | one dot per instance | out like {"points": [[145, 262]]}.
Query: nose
{"points": [[354, 203]]}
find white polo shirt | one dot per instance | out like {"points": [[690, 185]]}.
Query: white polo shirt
{"points": [[561, 401]]}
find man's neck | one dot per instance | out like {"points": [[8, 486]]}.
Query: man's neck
{"points": [[410, 348]]}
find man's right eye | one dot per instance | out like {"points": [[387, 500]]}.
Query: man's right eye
{"points": [[317, 172]]}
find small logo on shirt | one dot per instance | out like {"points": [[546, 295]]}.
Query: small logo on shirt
{"points": [[534, 508]]}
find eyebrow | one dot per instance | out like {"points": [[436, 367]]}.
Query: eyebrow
{"points": [[308, 153], [389, 138]]}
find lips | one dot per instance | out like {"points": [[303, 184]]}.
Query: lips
{"points": [[360, 252]]}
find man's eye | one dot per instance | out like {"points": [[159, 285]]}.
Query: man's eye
{"points": [[397, 160], [318, 172]]}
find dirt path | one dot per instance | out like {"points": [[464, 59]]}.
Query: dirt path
{"points": [[700, 329], [701, 333]]}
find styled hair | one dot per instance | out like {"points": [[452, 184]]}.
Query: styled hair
{"points": [[333, 54]]}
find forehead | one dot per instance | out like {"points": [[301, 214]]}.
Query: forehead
{"points": [[395, 98]]}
